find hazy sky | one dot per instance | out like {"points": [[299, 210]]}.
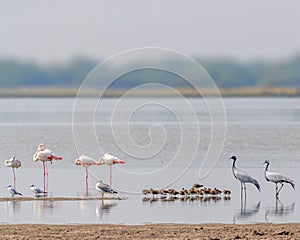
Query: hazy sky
{"points": [[57, 30]]}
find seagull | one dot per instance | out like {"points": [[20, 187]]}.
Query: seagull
{"points": [[104, 188], [13, 191], [242, 176], [277, 178], [37, 191]]}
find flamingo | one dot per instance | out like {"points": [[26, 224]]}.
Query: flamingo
{"points": [[13, 163], [243, 177], [277, 178], [110, 160], [45, 155], [86, 161], [104, 188], [12, 191]]}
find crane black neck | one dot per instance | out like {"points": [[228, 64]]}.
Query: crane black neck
{"points": [[267, 165]]}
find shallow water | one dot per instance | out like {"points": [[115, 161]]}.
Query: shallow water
{"points": [[257, 129]]}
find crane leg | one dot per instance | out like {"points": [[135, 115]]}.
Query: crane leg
{"points": [[276, 190], [280, 188], [242, 192], [245, 190]]}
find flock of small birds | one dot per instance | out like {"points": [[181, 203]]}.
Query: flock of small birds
{"points": [[197, 191]]}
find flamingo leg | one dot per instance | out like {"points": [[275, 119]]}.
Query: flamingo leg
{"points": [[47, 177], [14, 178], [86, 179], [44, 176], [110, 176]]}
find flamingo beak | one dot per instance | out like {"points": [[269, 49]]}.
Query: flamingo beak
{"points": [[121, 162]]}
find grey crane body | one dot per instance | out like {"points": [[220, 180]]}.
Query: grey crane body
{"points": [[277, 178], [242, 176]]}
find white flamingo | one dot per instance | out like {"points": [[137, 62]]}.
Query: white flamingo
{"points": [[86, 161], [277, 178], [14, 164], [243, 177], [45, 155], [110, 160]]}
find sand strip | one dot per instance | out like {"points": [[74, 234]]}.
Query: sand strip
{"points": [[155, 231]]}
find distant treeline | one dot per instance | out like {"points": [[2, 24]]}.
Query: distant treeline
{"points": [[226, 74]]}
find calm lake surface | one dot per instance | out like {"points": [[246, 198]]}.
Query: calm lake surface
{"points": [[164, 144]]}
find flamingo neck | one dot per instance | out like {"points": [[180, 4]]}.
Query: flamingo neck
{"points": [[101, 162]]}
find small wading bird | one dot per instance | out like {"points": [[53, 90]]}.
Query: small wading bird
{"points": [[104, 188], [13, 191], [226, 192], [45, 155], [243, 177], [110, 160], [14, 164], [37, 191], [86, 161], [277, 178]]}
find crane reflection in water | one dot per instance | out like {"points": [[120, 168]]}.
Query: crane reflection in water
{"points": [[279, 211]]}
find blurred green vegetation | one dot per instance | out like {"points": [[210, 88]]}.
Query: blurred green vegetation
{"points": [[225, 72]]}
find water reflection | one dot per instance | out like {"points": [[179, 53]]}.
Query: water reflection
{"points": [[184, 199], [42, 207], [279, 210], [244, 212], [13, 207], [104, 208]]}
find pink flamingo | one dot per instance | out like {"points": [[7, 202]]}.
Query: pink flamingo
{"points": [[110, 160], [45, 155], [86, 161], [14, 164]]}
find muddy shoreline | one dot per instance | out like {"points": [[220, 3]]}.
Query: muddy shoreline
{"points": [[152, 231]]}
